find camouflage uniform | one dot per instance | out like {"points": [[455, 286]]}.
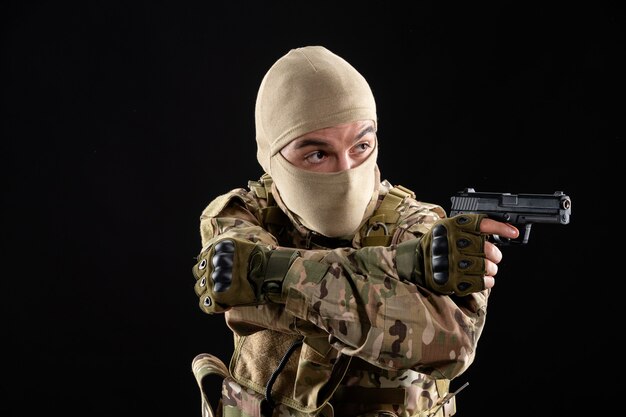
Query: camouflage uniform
{"points": [[362, 341]]}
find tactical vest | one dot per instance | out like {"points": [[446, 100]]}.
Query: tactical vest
{"points": [[378, 231]]}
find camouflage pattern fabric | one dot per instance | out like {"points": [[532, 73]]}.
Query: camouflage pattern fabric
{"points": [[203, 366], [361, 324]]}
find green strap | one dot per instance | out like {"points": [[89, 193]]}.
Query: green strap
{"points": [[278, 264], [274, 215], [383, 240]]}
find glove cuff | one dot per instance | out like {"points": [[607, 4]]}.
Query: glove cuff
{"points": [[409, 261], [279, 262]]}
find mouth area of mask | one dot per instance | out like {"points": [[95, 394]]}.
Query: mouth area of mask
{"points": [[330, 203]]}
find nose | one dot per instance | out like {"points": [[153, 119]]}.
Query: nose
{"points": [[344, 162]]}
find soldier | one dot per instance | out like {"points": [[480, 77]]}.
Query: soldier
{"points": [[346, 295]]}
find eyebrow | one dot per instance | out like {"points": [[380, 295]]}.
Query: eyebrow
{"points": [[369, 129], [319, 142]]}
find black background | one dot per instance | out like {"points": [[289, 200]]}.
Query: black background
{"points": [[121, 121]]}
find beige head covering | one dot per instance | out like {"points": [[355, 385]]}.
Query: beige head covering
{"points": [[307, 89]]}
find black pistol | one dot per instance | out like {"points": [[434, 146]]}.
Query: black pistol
{"points": [[517, 209]]}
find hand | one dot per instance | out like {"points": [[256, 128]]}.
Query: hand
{"points": [[455, 256], [233, 272], [493, 255], [225, 274]]}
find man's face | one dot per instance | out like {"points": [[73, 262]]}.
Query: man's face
{"points": [[332, 149]]}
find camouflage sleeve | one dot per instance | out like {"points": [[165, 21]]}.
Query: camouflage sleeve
{"points": [[357, 296], [358, 299]]}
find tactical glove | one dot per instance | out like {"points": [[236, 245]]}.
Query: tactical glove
{"points": [[449, 259], [232, 272]]}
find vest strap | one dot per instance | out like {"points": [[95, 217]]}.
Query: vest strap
{"points": [[382, 224], [274, 215]]}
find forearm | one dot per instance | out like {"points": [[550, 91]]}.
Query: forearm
{"points": [[371, 314]]}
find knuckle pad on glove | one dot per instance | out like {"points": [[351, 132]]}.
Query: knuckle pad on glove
{"points": [[456, 255], [222, 262], [439, 250], [227, 246], [221, 276]]}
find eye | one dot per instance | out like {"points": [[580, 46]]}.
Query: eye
{"points": [[363, 146], [361, 149], [315, 157]]}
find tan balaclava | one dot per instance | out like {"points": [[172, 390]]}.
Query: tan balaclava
{"points": [[307, 89]]}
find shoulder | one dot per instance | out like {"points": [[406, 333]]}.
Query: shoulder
{"points": [[237, 196], [246, 199], [398, 216], [404, 201], [239, 207], [416, 216]]}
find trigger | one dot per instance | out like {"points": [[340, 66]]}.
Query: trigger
{"points": [[498, 240]]}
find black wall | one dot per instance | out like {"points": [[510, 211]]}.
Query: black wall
{"points": [[121, 121]]}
